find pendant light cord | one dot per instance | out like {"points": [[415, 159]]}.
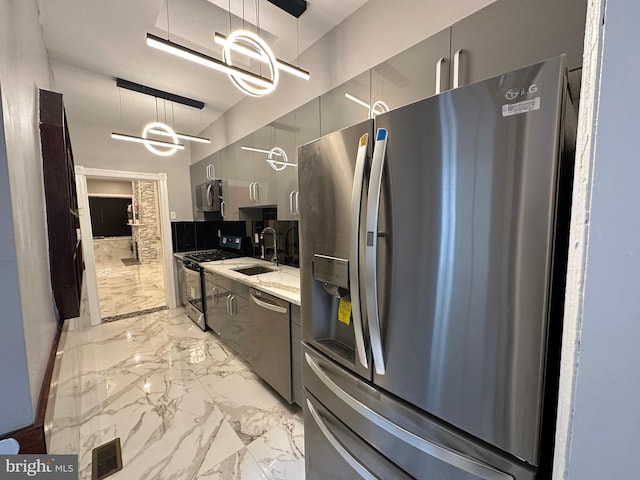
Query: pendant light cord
{"points": [[120, 99], [168, 20], [297, 38]]}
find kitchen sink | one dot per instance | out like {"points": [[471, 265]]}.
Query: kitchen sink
{"points": [[254, 270]]}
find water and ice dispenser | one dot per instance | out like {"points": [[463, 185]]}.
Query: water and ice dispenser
{"points": [[333, 329]]}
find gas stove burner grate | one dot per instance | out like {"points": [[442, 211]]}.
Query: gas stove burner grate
{"points": [[210, 256]]}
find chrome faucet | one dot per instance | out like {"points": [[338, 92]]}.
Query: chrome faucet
{"points": [[274, 259]]}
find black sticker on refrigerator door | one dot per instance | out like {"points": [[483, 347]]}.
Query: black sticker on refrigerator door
{"points": [[521, 107]]}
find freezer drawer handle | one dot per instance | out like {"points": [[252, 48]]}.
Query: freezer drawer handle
{"points": [[371, 262], [448, 456], [346, 456], [354, 249], [268, 306]]}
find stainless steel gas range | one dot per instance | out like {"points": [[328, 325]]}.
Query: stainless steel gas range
{"points": [[230, 247]]}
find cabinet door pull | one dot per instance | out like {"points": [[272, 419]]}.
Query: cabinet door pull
{"points": [[456, 68], [214, 297], [439, 64], [223, 209], [291, 208], [211, 172], [256, 192]]}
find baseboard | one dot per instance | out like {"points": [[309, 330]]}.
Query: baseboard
{"points": [[32, 437]]}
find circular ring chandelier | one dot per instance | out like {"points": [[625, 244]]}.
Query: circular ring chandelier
{"points": [[169, 132], [377, 108], [275, 164], [253, 41]]}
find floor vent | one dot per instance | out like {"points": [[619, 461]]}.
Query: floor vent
{"points": [[106, 460]]}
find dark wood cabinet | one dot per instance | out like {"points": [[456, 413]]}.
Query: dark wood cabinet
{"points": [[65, 253]]}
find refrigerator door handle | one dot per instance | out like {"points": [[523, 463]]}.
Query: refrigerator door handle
{"points": [[433, 449], [354, 249], [371, 262], [346, 456]]}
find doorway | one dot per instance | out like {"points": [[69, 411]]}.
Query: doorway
{"points": [[129, 271]]}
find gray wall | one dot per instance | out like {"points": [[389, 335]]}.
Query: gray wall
{"points": [[109, 187], [24, 67], [93, 147], [605, 432]]}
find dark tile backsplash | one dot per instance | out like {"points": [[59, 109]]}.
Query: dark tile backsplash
{"points": [[190, 236], [288, 246], [183, 236]]}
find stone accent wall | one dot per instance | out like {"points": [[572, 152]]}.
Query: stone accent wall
{"points": [[147, 234]]}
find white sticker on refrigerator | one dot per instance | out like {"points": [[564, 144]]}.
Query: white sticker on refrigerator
{"points": [[521, 107]]}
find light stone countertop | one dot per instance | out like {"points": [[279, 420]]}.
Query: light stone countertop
{"points": [[283, 283]]}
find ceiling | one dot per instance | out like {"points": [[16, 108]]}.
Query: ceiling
{"points": [[92, 42]]}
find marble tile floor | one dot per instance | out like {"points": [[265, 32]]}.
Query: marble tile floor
{"points": [[183, 404], [126, 289]]}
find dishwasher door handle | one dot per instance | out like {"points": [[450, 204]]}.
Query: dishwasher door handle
{"points": [[268, 306]]}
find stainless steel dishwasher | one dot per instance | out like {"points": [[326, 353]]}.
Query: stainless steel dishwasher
{"points": [[271, 341]]}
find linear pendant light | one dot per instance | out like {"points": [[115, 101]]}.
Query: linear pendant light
{"points": [[221, 39], [259, 150], [374, 110], [133, 138], [188, 54], [183, 136]]}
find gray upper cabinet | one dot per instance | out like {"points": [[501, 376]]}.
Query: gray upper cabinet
{"points": [[511, 34], [413, 74], [248, 181], [294, 129], [198, 173], [233, 189], [261, 177], [346, 105]]}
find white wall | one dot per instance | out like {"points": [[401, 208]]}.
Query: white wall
{"points": [[600, 404], [377, 31], [93, 147], [108, 187], [24, 68]]}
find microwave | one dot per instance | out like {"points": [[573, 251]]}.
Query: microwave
{"points": [[209, 196]]}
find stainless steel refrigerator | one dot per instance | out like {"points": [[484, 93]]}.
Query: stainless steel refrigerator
{"points": [[432, 262]]}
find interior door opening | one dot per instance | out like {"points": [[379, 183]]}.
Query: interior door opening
{"points": [[127, 244]]}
